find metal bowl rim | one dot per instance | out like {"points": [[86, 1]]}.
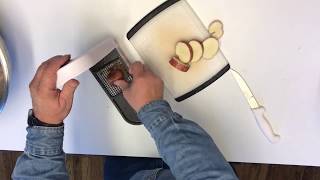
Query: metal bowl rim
{"points": [[4, 64]]}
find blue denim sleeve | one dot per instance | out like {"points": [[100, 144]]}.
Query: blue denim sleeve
{"points": [[188, 150], [43, 157]]}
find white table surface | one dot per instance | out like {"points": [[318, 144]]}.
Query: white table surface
{"points": [[274, 44]]}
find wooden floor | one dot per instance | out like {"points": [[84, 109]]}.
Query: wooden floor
{"points": [[91, 167]]}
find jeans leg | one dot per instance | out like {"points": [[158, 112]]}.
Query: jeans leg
{"points": [[123, 168]]}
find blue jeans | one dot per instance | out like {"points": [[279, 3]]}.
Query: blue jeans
{"points": [[123, 168]]}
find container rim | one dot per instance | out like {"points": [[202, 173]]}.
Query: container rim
{"points": [[4, 66]]}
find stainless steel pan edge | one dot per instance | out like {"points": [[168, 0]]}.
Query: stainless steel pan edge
{"points": [[5, 66]]}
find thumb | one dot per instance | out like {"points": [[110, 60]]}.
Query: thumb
{"points": [[68, 90], [122, 84]]}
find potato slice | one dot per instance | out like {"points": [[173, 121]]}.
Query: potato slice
{"points": [[197, 50], [184, 52], [210, 48], [176, 63], [216, 29]]}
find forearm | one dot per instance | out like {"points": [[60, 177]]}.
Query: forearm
{"points": [[185, 147], [43, 157]]}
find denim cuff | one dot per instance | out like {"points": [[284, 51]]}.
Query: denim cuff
{"points": [[154, 113], [44, 141]]}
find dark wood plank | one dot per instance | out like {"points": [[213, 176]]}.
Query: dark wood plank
{"points": [[85, 167], [275, 172], [91, 167], [7, 163], [286, 172], [311, 173], [251, 171]]}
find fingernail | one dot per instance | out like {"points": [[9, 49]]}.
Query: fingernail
{"points": [[130, 70], [115, 83], [75, 83], [67, 55]]}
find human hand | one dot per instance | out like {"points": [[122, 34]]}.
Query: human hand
{"points": [[145, 87], [51, 105]]}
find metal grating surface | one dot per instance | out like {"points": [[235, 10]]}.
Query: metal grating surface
{"points": [[103, 76]]}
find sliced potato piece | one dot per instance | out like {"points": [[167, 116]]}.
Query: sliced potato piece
{"points": [[184, 52], [216, 29], [176, 63], [210, 48], [197, 50]]}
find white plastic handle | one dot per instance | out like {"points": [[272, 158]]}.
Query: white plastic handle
{"points": [[265, 125], [85, 62]]}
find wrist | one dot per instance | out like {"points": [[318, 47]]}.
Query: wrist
{"points": [[44, 141], [143, 103], [154, 105], [154, 113], [35, 121]]}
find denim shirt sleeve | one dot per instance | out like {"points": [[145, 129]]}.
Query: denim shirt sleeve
{"points": [[188, 150], [43, 157]]}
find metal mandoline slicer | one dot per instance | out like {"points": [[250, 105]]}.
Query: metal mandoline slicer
{"points": [[102, 60], [101, 72]]}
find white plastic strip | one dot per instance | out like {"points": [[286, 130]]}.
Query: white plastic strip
{"points": [[85, 62]]}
